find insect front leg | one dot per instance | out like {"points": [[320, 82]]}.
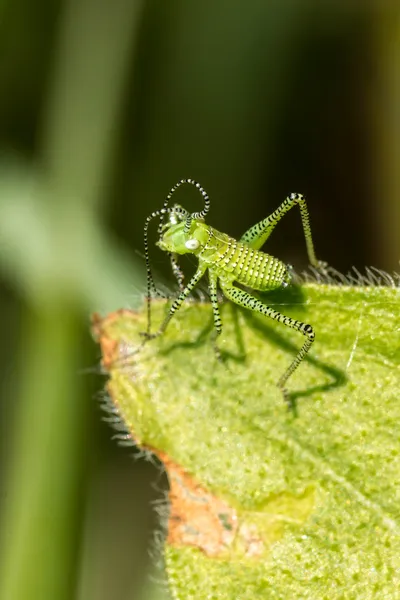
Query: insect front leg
{"points": [[246, 300], [216, 313], [177, 271], [257, 235], [177, 303]]}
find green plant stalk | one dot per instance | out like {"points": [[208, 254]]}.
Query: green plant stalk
{"points": [[40, 516], [92, 67], [44, 484], [264, 502]]}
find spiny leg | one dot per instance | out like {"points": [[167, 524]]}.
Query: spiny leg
{"points": [[173, 219], [257, 235], [177, 303], [177, 271], [244, 299], [217, 317]]}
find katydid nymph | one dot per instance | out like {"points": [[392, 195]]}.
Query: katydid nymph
{"points": [[228, 262]]}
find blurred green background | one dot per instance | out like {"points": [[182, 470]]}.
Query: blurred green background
{"points": [[103, 107]]}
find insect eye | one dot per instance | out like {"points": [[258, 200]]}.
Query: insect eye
{"points": [[192, 244]]}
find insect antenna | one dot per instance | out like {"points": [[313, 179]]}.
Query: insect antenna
{"points": [[151, 286], [202, 213], [177, 271], [195, 215]]}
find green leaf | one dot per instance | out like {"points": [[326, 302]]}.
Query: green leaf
{"points": [[266, 503]]}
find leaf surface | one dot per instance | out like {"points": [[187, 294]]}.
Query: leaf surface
{"points": [[266, 503]]}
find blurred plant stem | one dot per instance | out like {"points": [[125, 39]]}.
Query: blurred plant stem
{"points": [[41, 533], [386, 116], [81, 122], [49, 446]]}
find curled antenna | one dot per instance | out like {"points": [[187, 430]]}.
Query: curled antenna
{"points": [[202, 213], [196, 215], [151, 286], [167, 199]]}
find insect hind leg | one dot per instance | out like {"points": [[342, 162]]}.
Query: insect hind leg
{"points": [[257, 235], [246, 300]]}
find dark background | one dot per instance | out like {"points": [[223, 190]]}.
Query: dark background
{"points": [[103, 107]]}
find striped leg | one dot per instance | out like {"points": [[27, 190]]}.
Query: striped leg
{"points": [[257, 235], [177, 271], [244, 299], [215, 307], [177, 303]]}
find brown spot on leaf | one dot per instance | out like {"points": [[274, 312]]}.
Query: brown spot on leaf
{"points": [[249, 536], [100, 329], [197, 517]]}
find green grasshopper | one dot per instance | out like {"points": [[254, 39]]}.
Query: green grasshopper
{"points": [[228, 262]]}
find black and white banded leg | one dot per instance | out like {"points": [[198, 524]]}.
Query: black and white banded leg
{"points": [[177, 303], [216, 313], [246, 300]]}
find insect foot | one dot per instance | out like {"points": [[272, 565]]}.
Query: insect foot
{"points": [[148, 336], [322, 265], [289, 400]]}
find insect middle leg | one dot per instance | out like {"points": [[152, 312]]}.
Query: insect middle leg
{"points": [[216, 313], [246, 300]]}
